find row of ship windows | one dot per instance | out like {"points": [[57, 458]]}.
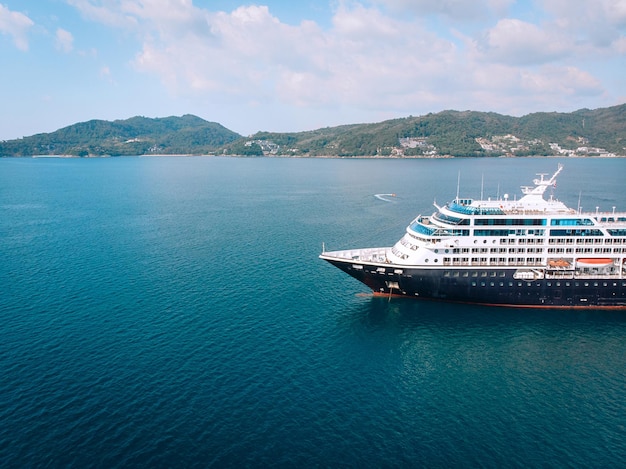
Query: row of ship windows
{"points": [[530, 241], [493, 260], [604, 240], [587, 250], [457, 273], [605, 250], [483, 274], [524, 250], [428, 231], [523, 221], [490, 250], [576, 241], [587, 241], [564, 232], [574, 233], [549, 284]]}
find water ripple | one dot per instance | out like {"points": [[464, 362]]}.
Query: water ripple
{"points": [[164, 312]]}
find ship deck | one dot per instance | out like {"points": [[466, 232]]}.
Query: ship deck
{"points": [[373, 255]]}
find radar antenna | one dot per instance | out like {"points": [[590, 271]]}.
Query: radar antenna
{"points": [[541, 184]]}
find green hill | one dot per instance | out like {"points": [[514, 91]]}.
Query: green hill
{"points": [[449, 133], [468, 133], [135, 136]]}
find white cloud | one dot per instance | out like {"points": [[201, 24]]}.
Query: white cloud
{"points": [[367, 59], [458, 10], [517, 91], [562, 81], [16, 25], [517, 42], [543, 82], [597, 25], [111, 13], [106, 75], [362, 22], [64, 40]]}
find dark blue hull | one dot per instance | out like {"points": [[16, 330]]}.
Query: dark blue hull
{"points": [[489, 286]]}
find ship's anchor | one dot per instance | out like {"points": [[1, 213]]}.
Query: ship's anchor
{"points": [[391, 286]]}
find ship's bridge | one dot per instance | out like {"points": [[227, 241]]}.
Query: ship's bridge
{"points": [[532, 202]]}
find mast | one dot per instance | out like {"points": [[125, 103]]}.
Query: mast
{"points": [[541, 184], [482, 185]]}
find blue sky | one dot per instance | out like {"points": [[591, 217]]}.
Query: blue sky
{"points": [[300, 65]]}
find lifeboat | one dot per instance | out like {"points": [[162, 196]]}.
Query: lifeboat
{"points": [[558, 263], [594, 262]]}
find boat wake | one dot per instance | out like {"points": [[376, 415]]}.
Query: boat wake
{"points": [[385, 197]]}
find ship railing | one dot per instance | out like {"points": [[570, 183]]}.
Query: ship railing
{"points": [[520, 210], [590, 276], [559, 275], [376, 255], [580, 276], [611, 218], [474, 210], [419, 227]]}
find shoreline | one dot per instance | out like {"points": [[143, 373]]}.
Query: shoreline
{"points": [[373, 157]]}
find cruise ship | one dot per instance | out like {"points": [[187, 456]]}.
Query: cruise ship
{"points": [[532, 252]]}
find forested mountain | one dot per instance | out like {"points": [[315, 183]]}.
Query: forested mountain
{"points": [[448, 133], [135, 136], [468, 133]]}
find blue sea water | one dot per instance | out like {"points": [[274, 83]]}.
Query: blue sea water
{"points": [[173, 312]]}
